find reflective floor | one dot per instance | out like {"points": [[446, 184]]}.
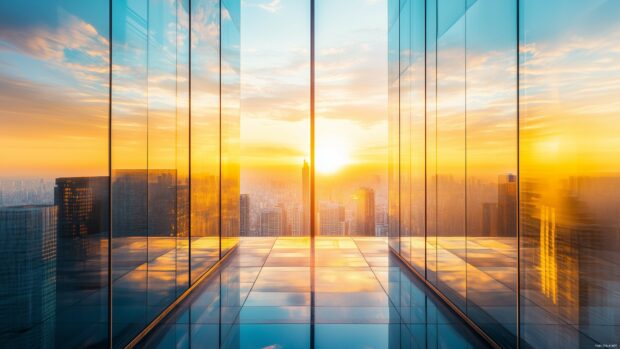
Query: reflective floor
{"points": [[363, 298]]}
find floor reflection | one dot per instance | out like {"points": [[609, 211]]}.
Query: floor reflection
{"points": [[363, 298]]}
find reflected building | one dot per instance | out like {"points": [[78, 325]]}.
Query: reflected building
{"points": [[28, 275], [507, 205], [129, 203], [83, 220]]}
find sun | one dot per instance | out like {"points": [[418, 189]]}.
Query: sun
{"points": [[331, 157]]}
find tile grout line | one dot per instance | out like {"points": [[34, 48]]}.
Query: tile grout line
{"points": [[377, 278], [241, 306]]}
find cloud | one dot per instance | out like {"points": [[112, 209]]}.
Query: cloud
{"points": [[273, 6]]}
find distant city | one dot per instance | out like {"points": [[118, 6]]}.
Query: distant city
{"points": [[283, 209]]}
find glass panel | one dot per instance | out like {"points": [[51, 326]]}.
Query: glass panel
{"points": [[570, 173], [205, 139], [54, 184], [418, 136], [431, 141], [406, 88], [275, 119], [230, 113], [161, 156], [393, 124], [150, 161], [491, 168], [182, 145], [129, 168], [451, 150]]}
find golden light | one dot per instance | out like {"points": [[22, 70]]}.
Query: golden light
{"points": [[331, 156]]}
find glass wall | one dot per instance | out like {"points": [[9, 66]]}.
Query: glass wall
{"points": [[569, 173], [54, 184], [393, 124], [230, 70], [205, 135], [111, 169], [514, 159]]}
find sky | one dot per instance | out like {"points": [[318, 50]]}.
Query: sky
{"points": [[351, 87], [54, 76]]}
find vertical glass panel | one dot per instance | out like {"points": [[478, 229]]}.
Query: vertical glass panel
{"points": [[431, 140], [182, 145], [418, 136], [205, 136], [275, 119], [129, 168], [405, 107], [451, 150], [393, 124], [351, 124], [150, 161], [161, 156], [491, 168], [54, 184], [570, 173], [230, 128]]}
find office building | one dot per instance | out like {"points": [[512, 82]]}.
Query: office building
{"points": [[365, 212], [244, 221], [28, 275]]}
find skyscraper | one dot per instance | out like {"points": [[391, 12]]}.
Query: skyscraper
{"points": [[332, 219], [295, 216], [28, 274], [83, 219], [365, 213], [129, 203], [507, 205], [271, 222], [244, 207], [305, 190]]}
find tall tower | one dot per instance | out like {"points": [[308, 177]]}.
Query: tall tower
{"points": [[305, 190], [507, 205], [244, 207], [365, 215], [28, 274]]}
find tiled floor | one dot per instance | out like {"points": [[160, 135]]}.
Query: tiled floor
{"points": [[261, 298]]}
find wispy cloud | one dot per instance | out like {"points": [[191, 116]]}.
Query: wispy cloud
{"points": [[272, 6]]}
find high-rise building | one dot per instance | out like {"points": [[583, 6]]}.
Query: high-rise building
{"points": [[271, 222], [28, 274], [144, 201], [365, 212], [82, 206], [305, 190], [83, 220], [295, 217], [129, 203], [332, 219], [244, 208], [507, 205], [489, 219]]}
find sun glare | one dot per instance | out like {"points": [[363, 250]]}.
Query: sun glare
{"points": [[331, 157]]}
